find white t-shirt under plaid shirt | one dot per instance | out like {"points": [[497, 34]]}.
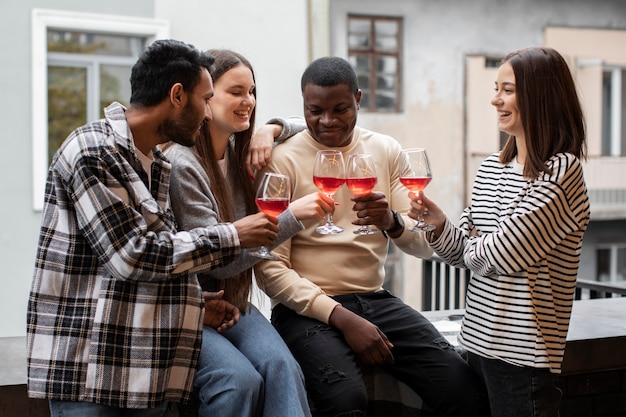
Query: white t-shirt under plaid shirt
{"points": [[114, 315]]}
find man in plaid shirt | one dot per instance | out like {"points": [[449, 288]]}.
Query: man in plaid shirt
{"points": [[115, 311]]}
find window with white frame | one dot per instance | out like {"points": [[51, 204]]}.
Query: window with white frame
{"points": [[614, 112], [374, 50], [81, 63]]}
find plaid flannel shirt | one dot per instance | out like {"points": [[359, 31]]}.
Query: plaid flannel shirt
{"points": [[115, 311]]}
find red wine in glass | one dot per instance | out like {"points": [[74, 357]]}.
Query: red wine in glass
{"points": [[272, 206], [272, 198], [361, 186], [361, 179], [415, 184], [329, 175], [328, 185], [415, 174]]}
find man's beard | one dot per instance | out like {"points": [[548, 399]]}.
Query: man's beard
{"points": [[182, 130]]}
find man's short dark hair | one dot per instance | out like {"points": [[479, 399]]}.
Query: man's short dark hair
{"points": [[329, 71], [164, 63]]}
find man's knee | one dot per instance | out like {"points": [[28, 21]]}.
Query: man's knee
{"points": [[337, 395]]}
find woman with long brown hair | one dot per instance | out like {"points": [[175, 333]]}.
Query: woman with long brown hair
{"points": [[246, 370], [522, 236]]}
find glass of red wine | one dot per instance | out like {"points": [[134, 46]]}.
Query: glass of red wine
{"points": [[415, 174], [272, 198], [329, 176], [361, 179]]}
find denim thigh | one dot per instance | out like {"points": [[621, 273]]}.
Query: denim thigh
{"points": [[518, 391]]}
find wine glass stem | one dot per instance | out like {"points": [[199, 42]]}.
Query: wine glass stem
{"points": [[329, 218]]}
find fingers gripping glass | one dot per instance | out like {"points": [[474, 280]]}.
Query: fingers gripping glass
{"points": [[272, 198], [415, 174], [361, 179], [329, 176]]}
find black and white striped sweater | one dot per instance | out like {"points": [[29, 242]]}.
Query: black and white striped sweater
{"points": [[524, 261]]}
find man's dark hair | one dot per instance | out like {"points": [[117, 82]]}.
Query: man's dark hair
{"points": [[329, 71], [163, 64]]}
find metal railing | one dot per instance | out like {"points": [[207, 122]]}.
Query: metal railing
{"points": [[444, 286], [586, 289]]}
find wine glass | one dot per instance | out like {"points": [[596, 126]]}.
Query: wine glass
{"points": [[415, 174], [272, 198], [329, 176], [361, 179]]}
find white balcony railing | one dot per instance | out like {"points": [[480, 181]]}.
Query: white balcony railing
{"points": [[444, 286]]}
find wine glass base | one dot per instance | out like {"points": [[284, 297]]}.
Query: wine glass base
{"points": [[264, 254], [327, 229], [364, 231], [422, 228]]}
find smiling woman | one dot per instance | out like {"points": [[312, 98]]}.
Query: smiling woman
{"points": [[211, 185], [522, 236]]}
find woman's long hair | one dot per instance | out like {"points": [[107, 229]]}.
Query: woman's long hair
{"points": [[236, 289], [549, 107]]}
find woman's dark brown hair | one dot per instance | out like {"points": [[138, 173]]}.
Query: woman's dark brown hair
{"points": [[236, 289], [549, 107]]}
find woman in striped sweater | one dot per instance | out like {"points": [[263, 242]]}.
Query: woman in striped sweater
{"points": [[522, 236]]}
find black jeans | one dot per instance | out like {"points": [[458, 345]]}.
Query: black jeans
{"points": [[518, 391], [424, 360]]}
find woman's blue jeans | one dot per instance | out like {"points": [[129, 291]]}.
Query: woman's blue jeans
{"points": [[517, 391], [84, 409], [249, 371], [424, 360]]}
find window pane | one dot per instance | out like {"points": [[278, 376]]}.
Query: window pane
{"points": [[386, 36], [363, 80], [359, 41], [67, 103], [386, 28], [387, 65], [360, 63], [386, 83], [359, 34], [385, 101], [94, 43], [114, 85]]}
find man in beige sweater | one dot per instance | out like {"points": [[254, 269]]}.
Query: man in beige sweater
{"points": [[330, 305]]}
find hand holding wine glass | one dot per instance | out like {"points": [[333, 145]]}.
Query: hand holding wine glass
{"points": [[361, 179], [329, 176], [415, 174], [272, 198]]}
